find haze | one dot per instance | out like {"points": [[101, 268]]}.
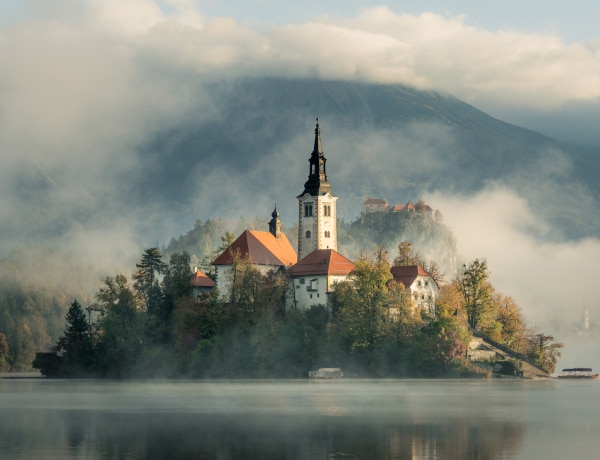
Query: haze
{"points": [[84, 84]]}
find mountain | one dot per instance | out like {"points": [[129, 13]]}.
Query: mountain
{"points": [[240, 146], [247, 148]]}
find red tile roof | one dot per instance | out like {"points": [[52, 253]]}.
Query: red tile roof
{"points": [[261, 248], [406, 274], [323, 262], [199, 279]]}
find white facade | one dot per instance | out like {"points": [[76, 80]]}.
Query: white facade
{"points": [[309, 290], [424, 291], [316, 223]]}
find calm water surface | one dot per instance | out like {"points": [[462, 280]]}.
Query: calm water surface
{"points": [[383, 419]]}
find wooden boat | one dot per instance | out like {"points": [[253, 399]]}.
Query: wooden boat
{"points": [[577, 373]]}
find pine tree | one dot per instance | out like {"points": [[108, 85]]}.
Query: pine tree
{"points": [[76, 343]]}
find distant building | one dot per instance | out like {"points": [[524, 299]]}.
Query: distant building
{"points": [[423, 288], [312, 278], [408, 207], [201, 283], [375, 205]]}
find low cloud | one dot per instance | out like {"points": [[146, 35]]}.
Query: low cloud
{"points": [[549, 280]]}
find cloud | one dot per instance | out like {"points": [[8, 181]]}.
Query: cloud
{"points": [[549, 280], [84, 86]]}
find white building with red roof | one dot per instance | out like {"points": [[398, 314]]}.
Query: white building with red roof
{"points": [[423, 288], [201, 283], [264, 250], [313, 278]]}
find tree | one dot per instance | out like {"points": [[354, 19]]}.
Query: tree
{"points": [[544, 352], [120, 327], [76, 344], [360, 307], [513, 325], [476, 291], [406, 256], [244, 283], [3, 353], [175, 286], [146, 282]]}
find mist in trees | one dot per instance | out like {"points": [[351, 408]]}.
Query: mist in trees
{"points": [[500, 318]]}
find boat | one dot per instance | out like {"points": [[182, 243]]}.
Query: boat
{"points": [[577, 373], [327, 373]]}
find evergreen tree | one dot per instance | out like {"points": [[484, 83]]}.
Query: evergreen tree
{"points": [[146, 283], [3, 353], [120, 328], [76, 344]]}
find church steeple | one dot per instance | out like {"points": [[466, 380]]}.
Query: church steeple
{"points": [[316, 205], [275, 224], [317, 178]]}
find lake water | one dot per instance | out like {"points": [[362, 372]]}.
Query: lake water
{"points": [[381, 419]]}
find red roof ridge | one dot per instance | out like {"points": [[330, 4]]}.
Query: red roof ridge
{"points": [[323, 262], [200, 279], [261, 248]]}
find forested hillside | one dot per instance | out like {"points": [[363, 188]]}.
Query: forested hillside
{"points": [[36, 287]]}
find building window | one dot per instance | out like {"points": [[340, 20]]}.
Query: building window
{"points": [[313, 286], [307, 234], [327, 234], [426, 283], [308, 210], [327, 210], [302, 281]]}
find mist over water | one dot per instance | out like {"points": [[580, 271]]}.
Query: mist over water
{"points": [[390, 419]]}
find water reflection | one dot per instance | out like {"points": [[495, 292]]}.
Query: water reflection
{"points": [[291, 420], [78, 434]]}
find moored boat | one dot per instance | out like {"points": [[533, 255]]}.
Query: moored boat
{"points": [[577, 373]]}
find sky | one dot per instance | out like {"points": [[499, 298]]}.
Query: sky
{"points": [[84, 82]]}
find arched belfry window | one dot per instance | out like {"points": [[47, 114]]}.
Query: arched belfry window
{"points": [[307, 234]]}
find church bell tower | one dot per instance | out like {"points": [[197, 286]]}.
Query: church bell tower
{"points": [[316, 206]]}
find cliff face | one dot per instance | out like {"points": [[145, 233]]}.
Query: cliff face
{"points": [[430, 237]]}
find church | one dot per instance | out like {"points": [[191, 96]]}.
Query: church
{"points": [[317, 266]]}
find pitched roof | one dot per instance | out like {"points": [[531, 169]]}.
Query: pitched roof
{"points": [[323, 262], [406, 274], [261, 248], [375, 201], [199, 279]]}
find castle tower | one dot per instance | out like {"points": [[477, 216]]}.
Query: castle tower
{"points": [[316, 206]]}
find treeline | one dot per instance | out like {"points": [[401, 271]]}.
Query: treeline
{"points": [[153, 326], [36, 287]]}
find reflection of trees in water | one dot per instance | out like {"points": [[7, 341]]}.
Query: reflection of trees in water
{"points": [[88, 434]]}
